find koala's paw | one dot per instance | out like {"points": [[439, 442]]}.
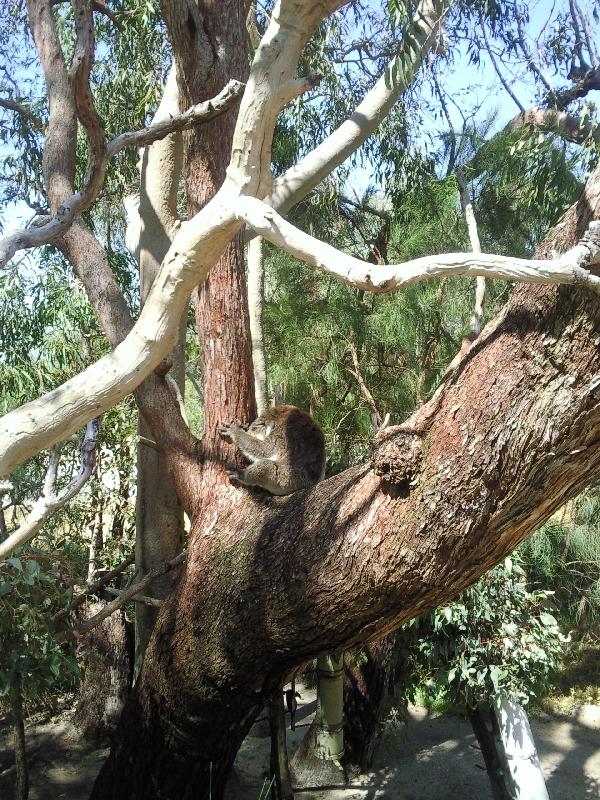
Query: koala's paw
{"points": [[228, 430], [234, 476]]}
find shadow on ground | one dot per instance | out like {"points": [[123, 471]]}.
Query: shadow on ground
{"points": [[436, 759], [61, 765]]}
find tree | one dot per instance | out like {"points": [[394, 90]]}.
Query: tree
{"points": [[270, 583]]}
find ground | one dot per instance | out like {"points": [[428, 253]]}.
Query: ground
{"points": [[433, 758]]}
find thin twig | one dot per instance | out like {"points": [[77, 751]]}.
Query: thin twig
{"points": [[139, 598], [495, 65], [49, 502], [118, 602], [93, 588], [467, 207]]}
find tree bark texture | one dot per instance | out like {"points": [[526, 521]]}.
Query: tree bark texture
{"points": [[271, 583], [159, 516], [107, 673]]}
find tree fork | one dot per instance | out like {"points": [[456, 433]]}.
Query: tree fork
{"points": [[358, 555]]}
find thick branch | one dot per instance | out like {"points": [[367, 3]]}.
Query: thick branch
{"points": [[196, 247], [300, 179], [51, 418], [79, 202], [568, 268], [587, 83], [61, 135], [570, 128], [49, 502]]}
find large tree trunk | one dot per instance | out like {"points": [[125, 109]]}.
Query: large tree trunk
{"points": [[159, 515], [273, 582]]}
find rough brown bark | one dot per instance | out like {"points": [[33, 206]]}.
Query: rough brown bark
{"points": [[368, 688], [273, 582]]}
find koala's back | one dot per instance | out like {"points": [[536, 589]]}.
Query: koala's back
{"points": [[302, 441]]}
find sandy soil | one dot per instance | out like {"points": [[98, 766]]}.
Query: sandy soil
{"points": [[434, 759]]}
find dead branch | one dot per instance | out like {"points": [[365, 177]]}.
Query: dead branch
{"points": [[362, 385], [49, 502], [125, 596], [93, 588], [139, 598]]}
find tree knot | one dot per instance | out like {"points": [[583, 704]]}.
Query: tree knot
{"points": [[397, 453]]}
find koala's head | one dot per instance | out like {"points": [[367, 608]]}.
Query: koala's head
{"points": [[262, 427]]}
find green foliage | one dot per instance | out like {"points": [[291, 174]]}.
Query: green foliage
{"points": [[497, 637], [565, 553], [32, 590]]}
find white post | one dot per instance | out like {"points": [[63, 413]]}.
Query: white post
{"points": [[522, 762]]}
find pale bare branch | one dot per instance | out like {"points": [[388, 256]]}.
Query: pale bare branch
{"points": [[49, 502], [569, 127], [40, 423], [568, 268], [300, 179], [82, 200], [256, 293], [467, 207]]}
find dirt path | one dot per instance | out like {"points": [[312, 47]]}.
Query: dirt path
{"points": [[435, 760]]}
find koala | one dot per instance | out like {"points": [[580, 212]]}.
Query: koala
{"points": [[286, 448]]}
